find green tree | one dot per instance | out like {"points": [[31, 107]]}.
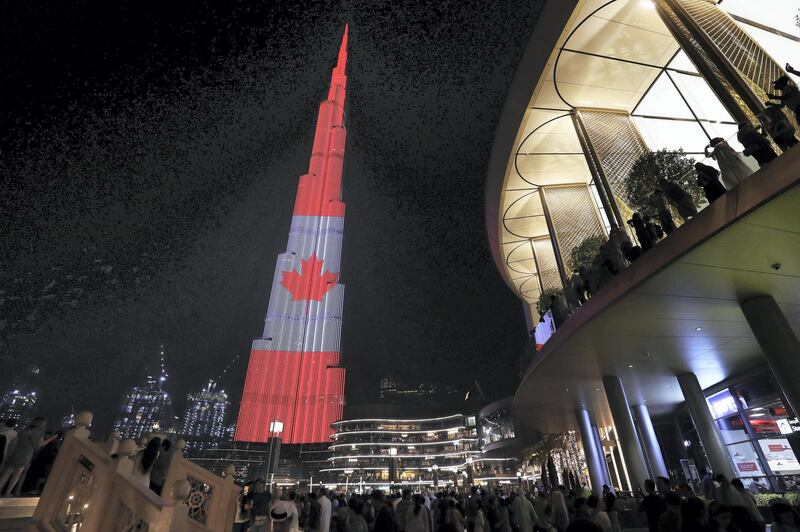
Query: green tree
{"points": [[584, 253], [642, 180]]}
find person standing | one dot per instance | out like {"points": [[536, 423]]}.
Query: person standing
{"points": [[324, 511], [481, 523], [709, 490], [559, 516], [652, 505], [7, 437], [241, 521], [355, 522], [753, 517], [541, 507], [312, 522], [145, 461], [671, 518], [597, 515], [524, 514], [384, 517], [733, 166], [418, 518], [708, 179], [260, 506], [160, 469], [21, 456], [402, 510], [755, 144]]}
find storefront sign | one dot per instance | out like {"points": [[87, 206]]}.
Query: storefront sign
{"points": [[747, 466], [779, 455]]}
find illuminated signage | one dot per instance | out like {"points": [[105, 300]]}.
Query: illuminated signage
{"points": [[722, 404]]}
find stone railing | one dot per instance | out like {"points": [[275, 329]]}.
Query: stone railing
{"points": [[91, 491]]}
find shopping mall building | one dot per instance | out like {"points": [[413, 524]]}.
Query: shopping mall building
{"points": [[688, 357], [416, 453]]}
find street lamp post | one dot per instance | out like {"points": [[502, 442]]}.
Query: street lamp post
{"points": [[274, 453], [392, 465]]}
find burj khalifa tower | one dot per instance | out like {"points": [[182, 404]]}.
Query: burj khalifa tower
{"points": [[294, 382]]}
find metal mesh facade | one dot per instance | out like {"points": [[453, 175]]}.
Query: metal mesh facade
{"points": [[707, 64], [574, 217], [616, 143], [753, 66], [757, 68], [546, 260]]}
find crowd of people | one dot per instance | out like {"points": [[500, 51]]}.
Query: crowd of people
{"points": [[719, 505]]}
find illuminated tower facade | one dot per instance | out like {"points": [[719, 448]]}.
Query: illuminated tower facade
{"points": [[293, 375]]}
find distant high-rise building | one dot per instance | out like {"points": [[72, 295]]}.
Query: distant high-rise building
{"points": [[204, 420], [68, 421], [294, 376], [147, 408], [392, 389], [19, 401], [19, 405]]}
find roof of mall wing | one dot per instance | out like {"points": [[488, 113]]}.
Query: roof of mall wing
{"points": [[582, 54], [676, 309]]}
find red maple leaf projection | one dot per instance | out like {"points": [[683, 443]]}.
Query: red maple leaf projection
{"points": [[310, 283]]}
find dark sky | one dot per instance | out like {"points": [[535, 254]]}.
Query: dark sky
{"points": [[150, 153]]}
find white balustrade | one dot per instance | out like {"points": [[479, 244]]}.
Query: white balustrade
{"points": [[89, 491]]}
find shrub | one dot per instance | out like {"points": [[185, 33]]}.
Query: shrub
{"points": [[584, 253], [543, 303]]}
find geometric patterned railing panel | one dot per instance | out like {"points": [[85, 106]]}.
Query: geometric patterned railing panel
{"points": [[617, 143], [199, 499], [128, 521], [574, 216]]}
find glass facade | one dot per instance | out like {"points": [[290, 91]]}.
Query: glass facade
{"points": [[759, 433]]}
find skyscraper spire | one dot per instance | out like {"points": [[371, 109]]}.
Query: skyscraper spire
{"points": [[293, 375], [341, 62]]}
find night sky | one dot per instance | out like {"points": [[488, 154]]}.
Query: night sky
{"points": [[149, 158]]}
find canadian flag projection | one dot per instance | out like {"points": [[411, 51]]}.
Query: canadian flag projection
{"points": [[294, 375]]}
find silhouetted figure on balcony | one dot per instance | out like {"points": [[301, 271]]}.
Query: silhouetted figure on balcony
{"points": [[613, 258], [755, 143], [777, 125], [642, 234], [576, 293], [599, 273], [631, 252], [559, 308], [678, 196], [583, 272], [708, 178], [733, 166], [653, 229], [789, 95], [664, 214]]}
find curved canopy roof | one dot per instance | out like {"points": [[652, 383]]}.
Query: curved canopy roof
{"points": [[608, 56]]}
